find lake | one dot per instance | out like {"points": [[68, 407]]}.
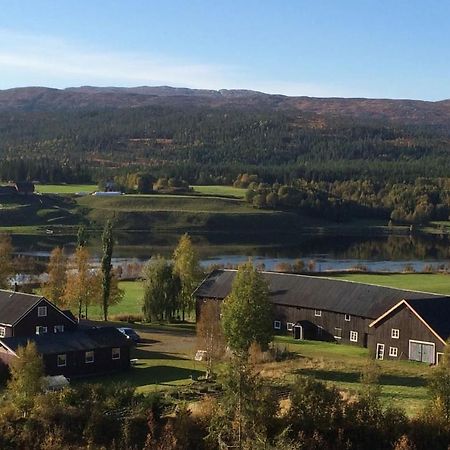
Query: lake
{"points": [[384, 253]]}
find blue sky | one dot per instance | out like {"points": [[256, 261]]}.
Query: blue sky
{"points": [[350, 48]]}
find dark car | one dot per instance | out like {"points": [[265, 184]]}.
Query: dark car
{"points": [[130, 334]]}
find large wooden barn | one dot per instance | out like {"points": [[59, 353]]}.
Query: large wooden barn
{"points": [[312, 307], [66, 347]]}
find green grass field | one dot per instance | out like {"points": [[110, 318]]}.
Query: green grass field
{"points": [[65, 188], [438, 283], [403, 383], [220, 190]]}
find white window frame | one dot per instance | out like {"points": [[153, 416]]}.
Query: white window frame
{"points": [[65, 360], [395, 333], [380, 354], [317, 313], [337, 337], [89, 360], [439, 356], [290, 326], [393, 351], [115, 353], [277, 324], [42, 311], [58, 329], [2, 332], [354, 336], [347, 317], [41, 329]]}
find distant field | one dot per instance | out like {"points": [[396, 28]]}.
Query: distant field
{"points": [[65, 188], [220, 190], [438, 283], [150, 203]]}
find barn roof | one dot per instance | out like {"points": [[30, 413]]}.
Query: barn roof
{"points": [[13, 305], [81, 340], [347, 297]]}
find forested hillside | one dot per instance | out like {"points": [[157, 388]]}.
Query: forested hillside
{"points": [[78, 135]]}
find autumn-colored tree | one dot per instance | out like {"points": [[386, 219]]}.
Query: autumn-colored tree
{"points": [[186, 265], [6, 261], [210, 334], [247, 311], [82, 287], [54, 287], [27, 371]]}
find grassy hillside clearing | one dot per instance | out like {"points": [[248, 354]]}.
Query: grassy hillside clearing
{"points": [[438, 283], [65, 188], [220, 190]]}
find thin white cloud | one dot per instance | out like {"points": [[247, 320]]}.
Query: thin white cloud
{"points": [[27, 59]]}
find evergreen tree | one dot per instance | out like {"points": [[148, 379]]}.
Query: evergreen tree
{"points": [[247, 311], [6, 261], [187, 267], [54, 287], [108, 244]]}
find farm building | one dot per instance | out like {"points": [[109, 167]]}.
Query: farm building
{"points": [[311, 307], [66, 347], [84, 352]]}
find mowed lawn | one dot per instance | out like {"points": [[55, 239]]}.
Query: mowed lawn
{"points": [[131, 303], [65, 188], [438, 283], [220, 190]]}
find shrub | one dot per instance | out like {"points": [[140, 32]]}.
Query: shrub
{"points": [[130, 318]]}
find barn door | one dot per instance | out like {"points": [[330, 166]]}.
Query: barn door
{"points": [[380, 351], [421, 351], [298, 332]]}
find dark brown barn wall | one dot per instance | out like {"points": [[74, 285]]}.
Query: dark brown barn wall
{"points": [[410, 327]]}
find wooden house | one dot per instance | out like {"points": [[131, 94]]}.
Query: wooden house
{"points": [[80, 353], [67, 347], [26, 315], [415, 329], [312, 307]]}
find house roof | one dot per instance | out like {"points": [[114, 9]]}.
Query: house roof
{"points": [[346, 297], [13, 305], [81, 340], [434, 313]]}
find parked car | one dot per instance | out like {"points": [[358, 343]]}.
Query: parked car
{"points": [[130, 334]]}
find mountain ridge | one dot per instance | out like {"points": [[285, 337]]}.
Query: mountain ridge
{"points": [[39, 98]]}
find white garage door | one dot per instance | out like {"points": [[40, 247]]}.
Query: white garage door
{"points": [[421, 351]]}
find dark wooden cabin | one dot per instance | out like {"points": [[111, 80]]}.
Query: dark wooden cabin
{"points": [[26, 314], [79, 353], [311, 307], [415, 329]]}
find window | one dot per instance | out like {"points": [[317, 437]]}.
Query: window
{"points": [[58, 328], [347, 317], [318, 312], [395, 333], [61, 360], [277, 324], [289, 326], [393, 351], [89, 357], [338, 333], [2, 332], [353, 336], [42, 311], [41, 330], [116, 353]]}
